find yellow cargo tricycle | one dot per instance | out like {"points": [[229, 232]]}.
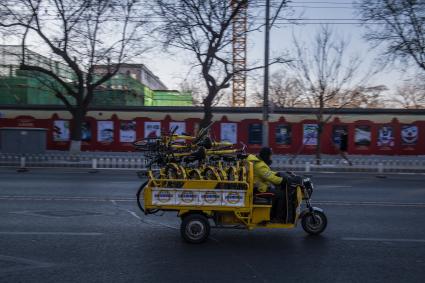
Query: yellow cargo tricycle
{"points": [[225, 204]]}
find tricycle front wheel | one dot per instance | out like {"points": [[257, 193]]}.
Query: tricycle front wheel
{"points": [[195, 228], [314, 222]]}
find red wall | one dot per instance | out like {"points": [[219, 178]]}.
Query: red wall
{"points": [[296, 146]]}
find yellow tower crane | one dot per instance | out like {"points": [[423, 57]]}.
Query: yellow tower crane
{"points": [[239, 55]]}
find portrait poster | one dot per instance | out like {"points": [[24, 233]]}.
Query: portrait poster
{"points": [[310, 132], [228, 132], [127, 131], [283, 135], [61, 130], [385, 136], [409, 135], [255, 133], [86, 132], [362, 136], [181, 127], [105, 131], [152, 129], [337, 133], [195, 129]]}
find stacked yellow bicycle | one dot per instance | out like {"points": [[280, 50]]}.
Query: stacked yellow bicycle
{"points": [[182, 157]]}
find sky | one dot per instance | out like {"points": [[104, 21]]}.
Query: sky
{"points": [[172, 69], [314, 13]]}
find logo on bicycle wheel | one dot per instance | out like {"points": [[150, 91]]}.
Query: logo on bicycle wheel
{"points": [[233, 197], [163, 196], [187, 196], [211, 197]]}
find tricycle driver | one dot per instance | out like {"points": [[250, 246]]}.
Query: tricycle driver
{"points": [[274, 183]]}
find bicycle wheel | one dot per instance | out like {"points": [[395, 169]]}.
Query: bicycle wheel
{"points": [[210, 174], [194, 174], [174, 171], [141, 200], [146, 144]]}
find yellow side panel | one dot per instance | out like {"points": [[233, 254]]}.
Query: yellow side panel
{"points": [[147, 196], [202, 184], [260, 214]]}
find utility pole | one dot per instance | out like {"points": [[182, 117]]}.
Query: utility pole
{"points": [[266, 78]]}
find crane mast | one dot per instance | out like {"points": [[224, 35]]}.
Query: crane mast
{"points": [[239, 54]]}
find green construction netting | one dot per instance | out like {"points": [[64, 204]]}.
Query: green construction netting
{"points": [[25, 87], [172, 98], [23, 90]]}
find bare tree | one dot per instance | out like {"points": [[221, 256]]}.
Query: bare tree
{"points": [[399, 26], [192, 85], [328, 76], [204, 28], [80, 34], [364, 97], [284, 91], [411, 94]]}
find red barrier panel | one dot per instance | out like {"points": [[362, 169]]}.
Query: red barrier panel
{"points": [[113, 134]]}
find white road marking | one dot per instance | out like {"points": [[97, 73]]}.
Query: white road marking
{"points": [[143, 220], [150, 222], [51, 233], [384, 240], [369, 203], [61, 198], [134, 214]]}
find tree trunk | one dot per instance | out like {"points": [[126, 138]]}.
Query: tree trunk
{"points": [[319, 143], [206, 120], [320, 129], [78, 116]]}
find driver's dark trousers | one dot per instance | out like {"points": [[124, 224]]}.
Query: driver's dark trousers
{"points": [[283, 207]]}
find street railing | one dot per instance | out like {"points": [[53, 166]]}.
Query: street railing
{"points": [[136, 161]]}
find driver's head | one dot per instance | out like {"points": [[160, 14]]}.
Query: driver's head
{"points": [[266, 155]]}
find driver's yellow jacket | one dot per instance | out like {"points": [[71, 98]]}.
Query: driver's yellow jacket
{"points": [[263, 175]]}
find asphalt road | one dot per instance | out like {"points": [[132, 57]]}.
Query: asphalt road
{"points": [[68, 226]]}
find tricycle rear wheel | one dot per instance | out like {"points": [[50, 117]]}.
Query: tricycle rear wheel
{"points": [[314, 223], [195, 228]]}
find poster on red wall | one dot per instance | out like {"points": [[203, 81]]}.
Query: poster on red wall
{"points": [[362, 136], [409, 135], [181, 127], [127, 131], [152, 129], [86, 132], [310, 132], [105, 131], [385, 136], [60, 130], [228, 132], [283, 135]]}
